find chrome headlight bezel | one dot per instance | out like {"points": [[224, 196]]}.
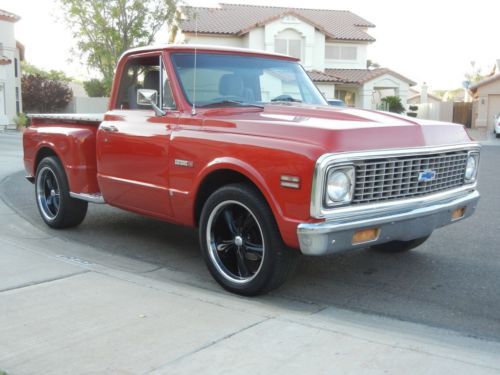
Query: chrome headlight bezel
{"points": [[346, 172], [472, 156]]}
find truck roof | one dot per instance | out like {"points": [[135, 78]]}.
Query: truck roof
{"points": [[205, 47]]}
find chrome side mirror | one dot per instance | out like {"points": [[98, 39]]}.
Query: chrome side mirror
{"points": [[149, 97]]}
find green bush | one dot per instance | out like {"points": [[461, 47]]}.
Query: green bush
{"points": [[21, 121], [95, 88], [394, 104]]}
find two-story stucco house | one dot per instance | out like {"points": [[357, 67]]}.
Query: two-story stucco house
{"points": [[11, 54], [332, 45]]}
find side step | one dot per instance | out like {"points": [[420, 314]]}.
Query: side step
{"points": [[92, 198]]}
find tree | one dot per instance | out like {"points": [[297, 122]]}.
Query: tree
{"points": [[105, 29], [394, 104], [95, 88], [44, 95], [27, 68], [372, 64]]}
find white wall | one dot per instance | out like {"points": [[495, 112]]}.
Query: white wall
{"points": [[327, 89], [87, 105], [7, 74], [319, 51], [255, 39], [481, 118], [219, 40], [442, 111], [387, 83], [307, 32]]}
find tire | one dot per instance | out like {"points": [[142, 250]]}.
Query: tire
{"points": [[399, 246], [57, 209], [241, 244]]}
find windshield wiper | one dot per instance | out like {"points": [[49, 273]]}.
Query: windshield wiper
{"points": [[285, 99], [229, 103]]}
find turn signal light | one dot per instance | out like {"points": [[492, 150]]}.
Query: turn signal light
{"points": [[365, 235], [458, 213]]}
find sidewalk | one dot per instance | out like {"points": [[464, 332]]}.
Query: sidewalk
{"points": [[67, 308]]}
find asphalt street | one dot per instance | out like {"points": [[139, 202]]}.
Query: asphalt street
{"points": [[451, 281]]}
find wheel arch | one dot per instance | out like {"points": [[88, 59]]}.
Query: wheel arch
{"points": [[42, 153], [225, 172]]}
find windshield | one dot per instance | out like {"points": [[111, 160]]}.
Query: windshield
{"points": [[236, 80]]}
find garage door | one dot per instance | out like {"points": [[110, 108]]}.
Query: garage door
{"points": [[493, 108]]}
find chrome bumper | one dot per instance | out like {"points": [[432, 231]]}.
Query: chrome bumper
{"points": [[403, 223]]}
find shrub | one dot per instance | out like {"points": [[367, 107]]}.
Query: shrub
{"points": [[44, 95], [394, 104], [95, 88], [21, 121]]}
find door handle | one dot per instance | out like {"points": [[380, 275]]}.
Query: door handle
{"points": [[109, 128]]}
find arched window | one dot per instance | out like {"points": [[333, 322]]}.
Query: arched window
{"points": [[289, 42]]}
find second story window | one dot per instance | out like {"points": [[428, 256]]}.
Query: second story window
{"points": [[16, 69], [341, 52], [289, 42]]}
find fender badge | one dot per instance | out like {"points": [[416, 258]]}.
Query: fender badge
{"points": [[183, 163]]}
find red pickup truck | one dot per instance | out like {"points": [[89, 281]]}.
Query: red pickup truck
{"points": [[242, 145]]}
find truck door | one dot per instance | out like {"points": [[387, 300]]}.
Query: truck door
{"points": [[133, 141]]}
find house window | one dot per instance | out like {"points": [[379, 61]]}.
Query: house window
{"points": [[341, 52], [348, 97], [15, 68], [289, 42]]}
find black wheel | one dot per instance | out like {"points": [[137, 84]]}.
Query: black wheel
{"points": [[55, 205], [399, 246], [241, 243]]}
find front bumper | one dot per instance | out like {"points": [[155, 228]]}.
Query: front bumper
{"points": [[403, 223]]}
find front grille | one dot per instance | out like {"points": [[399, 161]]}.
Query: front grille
{"points": [[397, 177]]}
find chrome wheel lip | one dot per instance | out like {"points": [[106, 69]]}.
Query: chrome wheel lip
{"points": [[42, 192], [213, 253]]}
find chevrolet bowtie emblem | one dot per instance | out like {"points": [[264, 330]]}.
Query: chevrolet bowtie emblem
{"points": [[426, 176]]}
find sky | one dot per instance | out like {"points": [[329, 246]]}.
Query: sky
{"points": [[427, 40]]}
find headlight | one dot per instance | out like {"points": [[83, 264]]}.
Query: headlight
{"points": [[339, 186], [471, 167]]}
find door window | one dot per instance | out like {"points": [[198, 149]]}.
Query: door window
{"points": [[144, 73]]}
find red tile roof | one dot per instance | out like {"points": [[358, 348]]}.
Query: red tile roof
{"points": [[7, 16], [318, 76], [238, 19], [360, 76]]}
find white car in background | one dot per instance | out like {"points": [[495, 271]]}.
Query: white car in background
{"points": [[496, 130]]}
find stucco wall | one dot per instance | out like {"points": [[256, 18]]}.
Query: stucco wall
{"points": [[228, 41], [7, 74], [486, 104], [87, 105], [328, 90], [385, 82]]}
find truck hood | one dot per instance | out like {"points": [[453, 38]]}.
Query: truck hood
{"points": [[336, 129]]}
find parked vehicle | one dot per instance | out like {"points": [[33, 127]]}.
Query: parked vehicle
{"points": [[336, 102], [496, 129], [242, 145]]}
